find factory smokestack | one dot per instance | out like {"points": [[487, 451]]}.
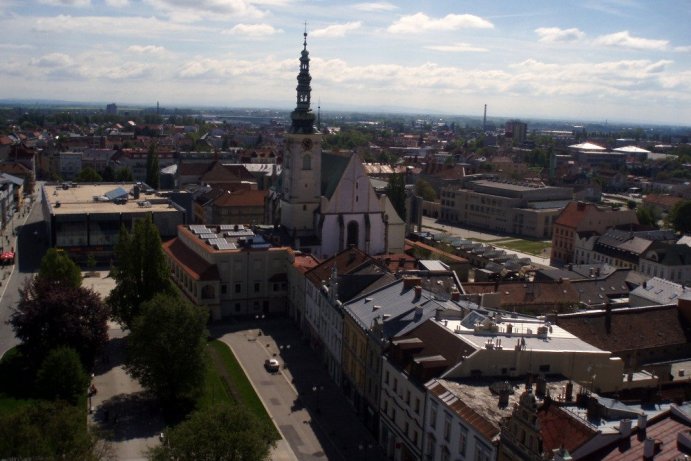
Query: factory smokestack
{"points": [[484, 120]]}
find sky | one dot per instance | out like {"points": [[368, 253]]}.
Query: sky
{"points": [[594, 60]]}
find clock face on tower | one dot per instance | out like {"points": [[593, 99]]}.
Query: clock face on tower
{"points": [[307, 144]]}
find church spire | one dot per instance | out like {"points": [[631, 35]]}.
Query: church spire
{"points": [[303, 117]]}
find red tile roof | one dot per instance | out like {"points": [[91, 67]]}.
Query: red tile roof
{"points": [[559, 429], [663, 429], [346, 261], [305, 262], [655, 326], [242, 198], [195, 266]]}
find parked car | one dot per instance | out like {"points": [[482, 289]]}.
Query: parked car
{"points": [[272, 365]]}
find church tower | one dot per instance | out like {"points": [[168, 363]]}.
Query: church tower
{"points": [[301, 182]]}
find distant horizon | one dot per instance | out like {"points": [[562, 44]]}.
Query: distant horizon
{"points": [[101, 105], [624, 60]]}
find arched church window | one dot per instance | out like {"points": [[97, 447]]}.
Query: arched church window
{"points": [[353, 236], [306, 162]]}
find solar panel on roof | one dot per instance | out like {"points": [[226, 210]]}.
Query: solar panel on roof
{"points": [[222, 244], [208, 236]]}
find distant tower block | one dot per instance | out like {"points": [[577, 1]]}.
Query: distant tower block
{"points": [[112, 108], [484, 120]]}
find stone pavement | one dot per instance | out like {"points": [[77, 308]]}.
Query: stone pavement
{"points": [[128, 418]]}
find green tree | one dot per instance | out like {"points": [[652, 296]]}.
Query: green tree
{"points": [[680, 217], [123, 174], [50, 314], [166, 348], [140, 270], [88, 174], [425, 190], [646, 216], [223, 432], [58, 267], [396, 193], [62, 376], [50, 431], [108, 174], [152, 169]]}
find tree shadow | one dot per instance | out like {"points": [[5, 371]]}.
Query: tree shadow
{"points": [[129, 416], [113, 355]]}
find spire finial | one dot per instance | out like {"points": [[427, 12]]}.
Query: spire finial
{"points": [[302, 117], [304, 43]]}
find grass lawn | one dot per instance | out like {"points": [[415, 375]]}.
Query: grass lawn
{"points": [[226, 382], [533, 247]]}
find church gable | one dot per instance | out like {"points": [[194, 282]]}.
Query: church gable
{"points": [[332, 168], [353, 192]]}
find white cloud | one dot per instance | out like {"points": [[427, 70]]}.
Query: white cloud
{"points": [[456, 48], [213, 10], [252, 30], [14, 46], [420, 22], [683, 49], [52, 60], [336, 30], [147, 49], [118, 3], [375, 7], [127, 26], [78, 3], [625, 40], [555, 34]]}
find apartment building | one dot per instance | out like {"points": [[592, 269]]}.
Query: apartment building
{"points": [[581, 218], [524, 209], [229, 269]]}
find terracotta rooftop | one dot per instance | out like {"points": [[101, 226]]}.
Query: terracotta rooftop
{"points": [[631, 328], [670, 433], [304, 262], [242, 198], [560, 429], [195, 266], [346, 261], [535, 293]]}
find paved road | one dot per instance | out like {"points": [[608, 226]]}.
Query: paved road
{"points": [[318, 425], [30, 249]]}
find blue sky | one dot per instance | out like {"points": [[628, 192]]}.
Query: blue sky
{"points": [[617, 60]]}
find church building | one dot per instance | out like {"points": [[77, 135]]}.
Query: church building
{"points": [[324, 200]]}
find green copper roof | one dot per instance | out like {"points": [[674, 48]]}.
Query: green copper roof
{"points": [[333, 167]]}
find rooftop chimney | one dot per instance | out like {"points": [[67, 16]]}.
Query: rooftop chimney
{"points": [[625, 427], [642, 421], [608, 318], [438, 313], [648, 448]]}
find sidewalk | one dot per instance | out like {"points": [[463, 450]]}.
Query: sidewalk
{"points": [[128, 417], [333, 420]]}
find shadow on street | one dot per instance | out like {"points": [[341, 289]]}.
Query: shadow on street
{"points": [[129, 416]]}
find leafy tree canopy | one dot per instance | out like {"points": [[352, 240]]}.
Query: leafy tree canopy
{"points": [[50, 314], [62, 376], [49, 431], [166, 348], [152, 169], [140, 270], [680, 217], [58, 267], [88, 174], [425, 190], [223, 432], [396, 193], [646, 216]]}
